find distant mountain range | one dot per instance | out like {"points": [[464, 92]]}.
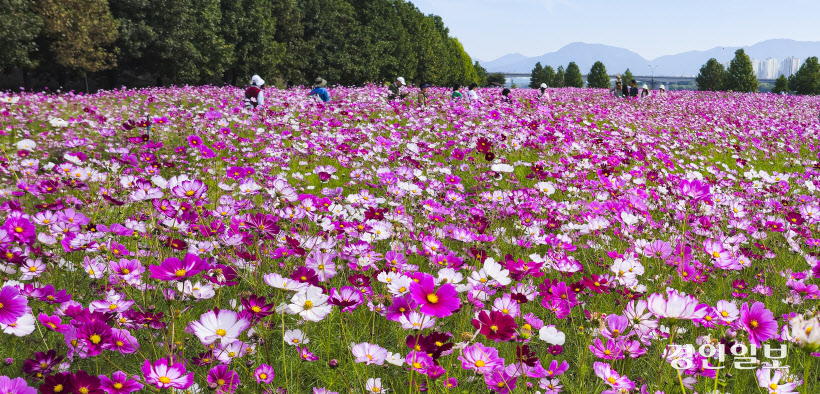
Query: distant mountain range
{"points": [[617, 60]]}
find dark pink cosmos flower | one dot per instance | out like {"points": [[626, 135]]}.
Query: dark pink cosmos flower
{"points": [[495, 325], [758, 321], [83, 383], [12, 305], [57, 384], [596, 283], [119, 383], [48, 294], [439, 303], [173, 269], [42, 364], [225, 380]]}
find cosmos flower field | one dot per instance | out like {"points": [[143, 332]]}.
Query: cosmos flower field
{"points": [[169, 240]]}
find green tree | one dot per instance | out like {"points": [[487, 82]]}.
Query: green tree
{"points": [[77, 35], [549, 76], [335, 42], [496, 78], [290, 33], [711, 76], [536, 76], [248, 28], [481, 74], [573, 79], [740, 77], [781, 84], [627, 77], [19, 26], [597, 77], [560, 76], [807, 79]]}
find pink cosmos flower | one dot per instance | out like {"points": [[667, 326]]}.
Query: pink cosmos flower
{"points": [[119, 383], [264, 374], [226, 381], [481, 359], [758, 321], [12, 305], [173, 269], [611, 377], [439, 303], [164, 376]]}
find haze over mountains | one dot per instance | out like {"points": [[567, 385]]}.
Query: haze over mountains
{"points": [[617, 60]]}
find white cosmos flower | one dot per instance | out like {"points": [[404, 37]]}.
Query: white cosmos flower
{"points": [[497, 272], [296, 338], [311, 305], [551, 335], [26, 144], [225, 326], [502, 168]]}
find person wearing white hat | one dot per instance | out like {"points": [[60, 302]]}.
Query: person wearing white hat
{"points": [[662, 91], [394, 91], [544, 95], [253, 94], [644, 91]]}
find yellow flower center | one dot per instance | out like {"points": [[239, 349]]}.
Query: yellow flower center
{"points": [[164, 380], [95, 339], [480, 363], [179, 273], [308, 304], [58, 388], [83, 390], [221, 332], [117, 386], [263, 376]]}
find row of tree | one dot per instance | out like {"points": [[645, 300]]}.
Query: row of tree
{"points": [[740, 77], [212, 41], [596, 78]]}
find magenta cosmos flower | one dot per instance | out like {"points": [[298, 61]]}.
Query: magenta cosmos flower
{"points": [[496, 326], [119, 383], [439, 303], [759, 322], [164, 376], [12, 305], [173, 269], [264, 374], [16, 385], [226, 381]]}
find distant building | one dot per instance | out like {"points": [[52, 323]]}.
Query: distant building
{"points": [[771, 68], [789, 66], [757, 66]]}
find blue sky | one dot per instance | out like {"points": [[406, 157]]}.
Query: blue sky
{"points": [[493, 28]]}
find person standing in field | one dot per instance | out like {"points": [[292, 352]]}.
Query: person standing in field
{"points": [[254, 95], [424, 95], [633, 90], [543, 95], [505, 95], [472, 95], [644, 91], [457, 92], [394, 91], [319, 90]]}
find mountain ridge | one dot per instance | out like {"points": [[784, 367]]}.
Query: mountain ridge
{"points": [[617, 59]]}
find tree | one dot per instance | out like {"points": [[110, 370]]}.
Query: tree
{"points": [[481, 74], [711, 76], [807, 79], [77, 34], [549, 76], [249, 28], [496, 78], [573, 79], [627, 77], [740, 77], [597, 77], [781, 84], [536, 76], [558, 82], [19, 26]]}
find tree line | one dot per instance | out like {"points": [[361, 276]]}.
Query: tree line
{"points": [[166, 42], [740, 77], [571, 77]]}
